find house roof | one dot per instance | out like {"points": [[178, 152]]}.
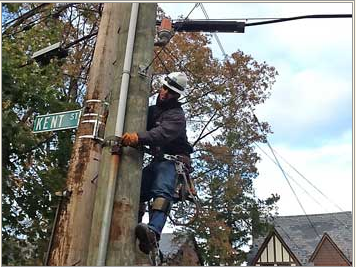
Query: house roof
{"points": [[169, 244], [327, 238], [301, 238]]}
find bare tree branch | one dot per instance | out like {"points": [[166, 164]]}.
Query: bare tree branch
{"points": [[205, 135], [205, 126]]}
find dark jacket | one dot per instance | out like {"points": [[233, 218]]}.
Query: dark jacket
{"points": [[166, 130]]}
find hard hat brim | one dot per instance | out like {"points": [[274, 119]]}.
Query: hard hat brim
{"points": [[164, 82]]}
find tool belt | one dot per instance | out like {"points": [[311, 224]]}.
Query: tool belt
{"points": [[183, 159]]}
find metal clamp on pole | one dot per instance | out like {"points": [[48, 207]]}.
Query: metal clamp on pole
{"points": [[142, 71], [98, 119], [115, 143]]}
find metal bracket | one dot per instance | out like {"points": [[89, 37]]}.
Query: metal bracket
{"points": [[98, 121], [64, 194], [142, 70], [115, 143]]}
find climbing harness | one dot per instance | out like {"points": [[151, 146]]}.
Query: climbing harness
{"points": [[186, 207]]}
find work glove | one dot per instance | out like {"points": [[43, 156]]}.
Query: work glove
{"points": [[130, 139]]}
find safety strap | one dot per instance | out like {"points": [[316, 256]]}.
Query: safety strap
{"points": [[161, 204], [179, 163]]}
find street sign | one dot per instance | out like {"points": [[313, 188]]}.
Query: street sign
{"points": [[57, 121]]}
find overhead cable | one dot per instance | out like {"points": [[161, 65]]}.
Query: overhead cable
{"points": [[335, 217], [337, 206], [320, 16], [285, 176]]}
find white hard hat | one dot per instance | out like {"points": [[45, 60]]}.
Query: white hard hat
{"points": [[176, 81]]}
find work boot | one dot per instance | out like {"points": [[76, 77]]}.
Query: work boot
{"points": [[147, 238]]}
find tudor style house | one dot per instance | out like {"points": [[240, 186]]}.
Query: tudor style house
{"points": [[313, 240]]}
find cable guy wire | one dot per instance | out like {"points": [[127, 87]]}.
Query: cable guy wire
{"points": [[335, 217], [337, 206], [214, 34]]}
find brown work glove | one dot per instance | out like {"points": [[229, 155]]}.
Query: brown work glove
{"points": [[130, 139]]}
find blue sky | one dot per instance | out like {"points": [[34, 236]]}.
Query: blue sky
{"points": [[310, 109]]}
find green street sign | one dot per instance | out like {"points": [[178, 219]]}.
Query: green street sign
{"points": [[57, 121]]}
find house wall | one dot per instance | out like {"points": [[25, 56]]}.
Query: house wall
{"points": [[275, 253], [329, 256]]}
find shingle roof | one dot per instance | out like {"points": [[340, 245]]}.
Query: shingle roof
{"points": [[301, 238]]}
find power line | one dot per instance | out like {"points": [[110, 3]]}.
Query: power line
{"points": [[300, 204], [328, 16], [234, 19], [285, 176], [277, 19], [264, 152], [290, 186], [341, 222], [223, 51], [337, 206]]}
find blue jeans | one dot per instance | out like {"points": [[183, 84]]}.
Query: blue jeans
{"points": [[158, 180]]}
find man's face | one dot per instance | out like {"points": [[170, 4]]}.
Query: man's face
{"points": [[165, 94]]}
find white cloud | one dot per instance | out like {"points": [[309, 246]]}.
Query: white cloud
{"points": [[307, 98]]}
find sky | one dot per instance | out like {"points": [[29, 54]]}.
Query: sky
{"points": [[310, 109]]}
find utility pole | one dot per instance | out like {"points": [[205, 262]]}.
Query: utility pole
{"points": [[72, 232], [112, 240]]}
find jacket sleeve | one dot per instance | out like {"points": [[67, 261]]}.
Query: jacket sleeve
{"points": [[172, 125]]}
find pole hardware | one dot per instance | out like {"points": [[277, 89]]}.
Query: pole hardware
{"points": [[63, 194], [142, 70], [98, 119], [115, 143], [44, 55], [209, 26], [164, 32]]}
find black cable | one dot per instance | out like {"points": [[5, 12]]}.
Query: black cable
{"points": [[34, 22], [285, 232], [300, 17], [164, 65], [25, 16], [229, 19], [80, 39]]}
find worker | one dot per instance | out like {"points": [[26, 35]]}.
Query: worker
{"points": [[165, 135]]}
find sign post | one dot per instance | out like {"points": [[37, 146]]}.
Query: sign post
{"points": [[57, 121]]}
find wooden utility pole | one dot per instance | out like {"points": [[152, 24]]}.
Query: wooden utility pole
{"points": [[121, 241], [72, 232]]}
